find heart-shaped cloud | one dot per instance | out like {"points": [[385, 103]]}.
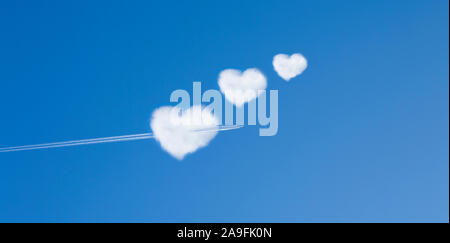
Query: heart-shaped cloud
{"points": [[241, 87], [182, 132], [289, 67]]}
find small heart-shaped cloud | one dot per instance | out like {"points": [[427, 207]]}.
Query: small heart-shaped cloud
{"points": [[289, 67], [182, 132], [241, 87]]}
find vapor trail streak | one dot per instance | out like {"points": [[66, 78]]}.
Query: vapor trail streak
{"points": [[77, 141], [4, 150], [123, 138]]}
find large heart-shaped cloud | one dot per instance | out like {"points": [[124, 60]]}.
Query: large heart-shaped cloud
{"points": [[241, 87], [182, 132], [289, 67]]}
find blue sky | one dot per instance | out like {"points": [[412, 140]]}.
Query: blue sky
{"points": [[363, 133]]}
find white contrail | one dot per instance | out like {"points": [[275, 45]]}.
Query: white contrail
{"points": [[67, 144], [123, 138], [77, 141]]}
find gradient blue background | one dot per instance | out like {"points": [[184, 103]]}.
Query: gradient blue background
{"points": [[363, 136]]}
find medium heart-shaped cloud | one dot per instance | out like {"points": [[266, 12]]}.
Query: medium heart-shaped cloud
{"points": [[241, 87], [289, 67], [182, 132]]}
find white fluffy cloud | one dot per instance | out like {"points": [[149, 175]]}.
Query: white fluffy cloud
{"points": [[241, 87], [289, 67], [180, 133]]}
